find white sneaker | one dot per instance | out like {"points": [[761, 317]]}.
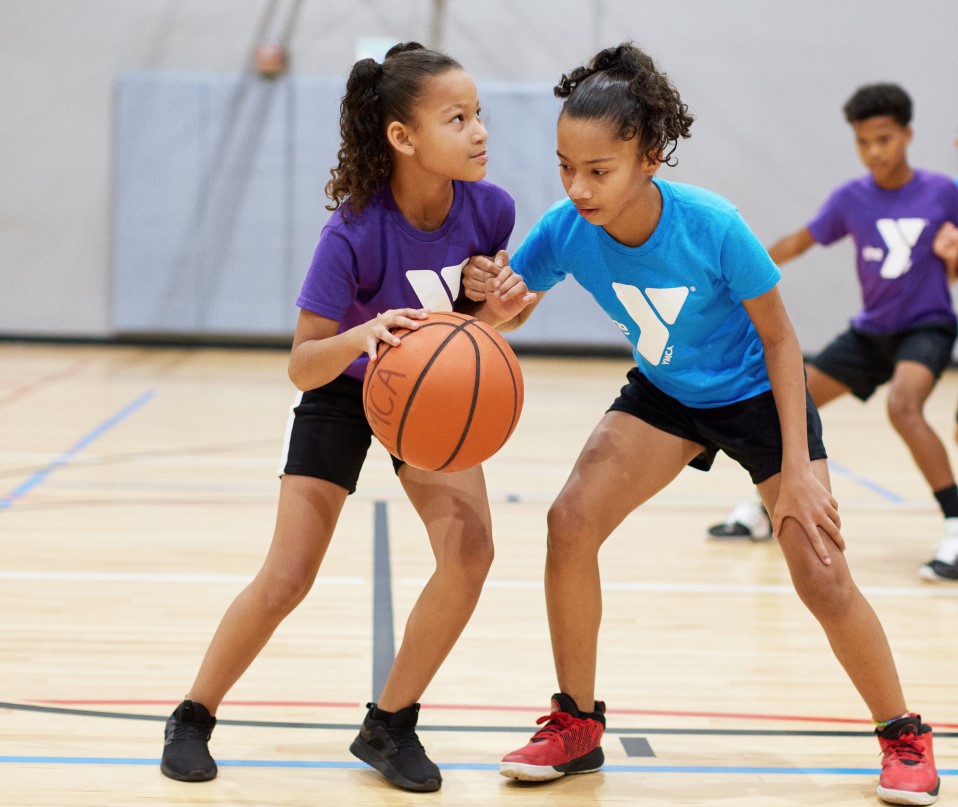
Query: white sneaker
{"points": [[749, 520]]}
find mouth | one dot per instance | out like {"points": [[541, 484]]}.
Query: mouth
{"points": [[481, 157], [587, 212]]}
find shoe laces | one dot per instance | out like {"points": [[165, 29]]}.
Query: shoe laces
{"points": [[908, 748], [405, 738], [191, 730], [556, 722]]}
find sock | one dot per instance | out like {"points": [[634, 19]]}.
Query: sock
{"points": [[948, 548], [882, 725], [380, 714], [948, 501]]}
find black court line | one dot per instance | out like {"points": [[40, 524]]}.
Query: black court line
{"points": [[384, 651], [524, 729]]}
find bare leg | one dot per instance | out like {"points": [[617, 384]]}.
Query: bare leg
{"points": [[853, 630], [823, 388], [910, 386], [455, 510], [306, 516], [624, 462]]}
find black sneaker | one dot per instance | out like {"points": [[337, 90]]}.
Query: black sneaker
{"points": [[937, 571], [388, 742], [186, 756]]}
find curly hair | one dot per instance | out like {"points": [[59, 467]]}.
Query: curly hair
{"points": [[377, 94], [622, 85], [874, 100]]}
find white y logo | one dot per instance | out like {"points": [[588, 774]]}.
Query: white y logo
{"points": [[430, 290], [899, 235], [662, 305]]}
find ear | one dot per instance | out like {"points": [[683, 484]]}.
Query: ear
{"points": [[397, 134], [651, 163], [908, 134]]}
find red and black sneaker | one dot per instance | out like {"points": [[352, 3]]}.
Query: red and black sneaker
{"points": [[568, 743], [908, 773]]}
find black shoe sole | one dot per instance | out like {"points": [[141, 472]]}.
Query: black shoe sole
{"points": [[589, 763], [360, 750], [194, 776]]}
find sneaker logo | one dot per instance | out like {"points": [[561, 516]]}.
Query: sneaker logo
{"points": [[437, 292], [652, 310], [899, 235]]}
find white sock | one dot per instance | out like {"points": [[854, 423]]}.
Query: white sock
{"points": [[948, 548]]}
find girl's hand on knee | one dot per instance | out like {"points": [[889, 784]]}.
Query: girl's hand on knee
{"points": [[805, 499]]}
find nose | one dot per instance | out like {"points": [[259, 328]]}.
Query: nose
{"points": [[579, 189], [480, 135]]}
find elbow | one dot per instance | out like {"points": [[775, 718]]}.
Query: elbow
{"points": [[294, 371]]}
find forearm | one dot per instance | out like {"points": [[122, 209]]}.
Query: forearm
{"points": [[791, 246], [315, 362], [786, 372]]}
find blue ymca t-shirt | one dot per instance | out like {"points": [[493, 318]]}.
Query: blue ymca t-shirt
{"points": [[677, 297]]}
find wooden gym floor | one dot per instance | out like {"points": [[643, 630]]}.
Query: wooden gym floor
{"points": [[137, 495]]}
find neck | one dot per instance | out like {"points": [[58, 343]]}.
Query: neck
{"points": [[424, 199], [899, 178], [636, 226]]}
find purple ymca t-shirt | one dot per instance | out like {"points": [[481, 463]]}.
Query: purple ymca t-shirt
{"points": [[903, 282], [377, 260]]}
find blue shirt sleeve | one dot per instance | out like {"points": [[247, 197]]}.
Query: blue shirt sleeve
{"points": [[535, 259], [746, 265]]}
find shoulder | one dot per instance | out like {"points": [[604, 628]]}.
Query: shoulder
{"points": [[934, 180], [692, 201], [560, 214], [488, 193]]}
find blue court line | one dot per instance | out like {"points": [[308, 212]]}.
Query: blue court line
{"points": [[384, 651], [37, 478], [465, 766], [886, 494]]}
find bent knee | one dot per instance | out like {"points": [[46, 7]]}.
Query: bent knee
{"points": [[469, 558], [570, 530], [824, 592], [279, 594], [905, 413]]}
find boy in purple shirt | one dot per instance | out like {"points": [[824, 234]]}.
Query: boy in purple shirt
{"points": [[906, 328]]}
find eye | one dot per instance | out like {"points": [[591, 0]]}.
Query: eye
{"points": [[599, 172], [459, 118], [563, 167]]}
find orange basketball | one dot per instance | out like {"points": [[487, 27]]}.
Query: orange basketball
{"points": [[448, 397]]}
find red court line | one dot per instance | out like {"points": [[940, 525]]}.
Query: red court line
{"points": [[465, 707], [25, 389]]}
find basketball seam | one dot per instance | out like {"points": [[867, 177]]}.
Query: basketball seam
{"points": [[419, 380], [475, 397], [515, 387]]}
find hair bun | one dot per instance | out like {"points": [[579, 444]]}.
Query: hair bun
{"points": [[403, 47]]}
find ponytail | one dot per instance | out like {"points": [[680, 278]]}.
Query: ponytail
{"points": [[377, 94]]}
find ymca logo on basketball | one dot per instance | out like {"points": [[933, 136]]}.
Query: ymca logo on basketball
{"points": [[652, 310], [899, 235], [434, 293], [448, 398]]}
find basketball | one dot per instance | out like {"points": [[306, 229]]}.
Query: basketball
{"points": [[448, 397]]}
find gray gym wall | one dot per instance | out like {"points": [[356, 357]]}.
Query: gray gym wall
{"points": [[152, 185]]}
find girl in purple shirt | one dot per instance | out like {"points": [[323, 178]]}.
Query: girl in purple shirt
{"points": [[410, 209]]}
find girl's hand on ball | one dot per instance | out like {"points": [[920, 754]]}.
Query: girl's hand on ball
{"points": [[381, 328]]}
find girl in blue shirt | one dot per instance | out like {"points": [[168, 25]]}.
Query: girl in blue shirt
{"points": [[718, 367]]}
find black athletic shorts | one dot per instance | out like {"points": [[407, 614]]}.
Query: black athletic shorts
{"points": [[748, 431], [327, 435], [864, 361]]}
